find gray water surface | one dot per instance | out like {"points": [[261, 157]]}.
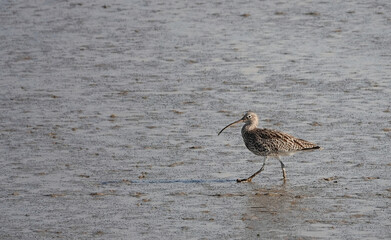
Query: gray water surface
{"points": [[109, 114]]}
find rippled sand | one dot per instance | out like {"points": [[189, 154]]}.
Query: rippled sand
{"points": [[109, 114]]}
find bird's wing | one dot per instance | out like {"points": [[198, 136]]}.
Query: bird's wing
{"points": [[280, 141]]}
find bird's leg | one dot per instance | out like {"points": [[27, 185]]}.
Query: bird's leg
{"points": [[255, 174], [283, 169]]}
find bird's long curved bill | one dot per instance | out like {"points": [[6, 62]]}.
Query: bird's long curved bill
{"points": [[229, 125]]}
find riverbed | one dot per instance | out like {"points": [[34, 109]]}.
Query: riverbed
{"points": [[109, 114]]}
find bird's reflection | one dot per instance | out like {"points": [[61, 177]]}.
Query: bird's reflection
{"points": [[271, 211]]}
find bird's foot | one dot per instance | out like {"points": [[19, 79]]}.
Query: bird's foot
{"points": [[284, 174], [244, 180]]}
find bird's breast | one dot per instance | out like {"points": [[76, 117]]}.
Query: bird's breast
{"points": [[254, 144]]}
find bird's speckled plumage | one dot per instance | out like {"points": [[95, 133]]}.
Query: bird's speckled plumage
{"points": [[269, 143]]}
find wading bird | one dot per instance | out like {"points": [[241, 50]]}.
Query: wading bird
{"points": [[268, 143]]}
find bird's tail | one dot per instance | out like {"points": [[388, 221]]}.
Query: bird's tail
{"points": [[312, 148]]}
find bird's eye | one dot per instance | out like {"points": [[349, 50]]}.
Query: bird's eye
{"points": [[249, 116]]}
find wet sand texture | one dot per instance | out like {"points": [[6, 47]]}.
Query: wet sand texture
{"points": [[109, 113]]}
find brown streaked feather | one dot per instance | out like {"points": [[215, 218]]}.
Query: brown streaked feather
{"points": [[304, 144], [268, 142]]}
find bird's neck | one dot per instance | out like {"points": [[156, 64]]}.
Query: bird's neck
{"points": [[249, 126]]}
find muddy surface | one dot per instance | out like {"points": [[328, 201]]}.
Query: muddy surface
{"points": [[109, 114]]}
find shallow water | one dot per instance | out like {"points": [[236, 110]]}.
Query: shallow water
{"points": [[110, 113]]}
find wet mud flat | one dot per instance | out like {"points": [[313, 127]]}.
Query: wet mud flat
{"points": [[109, 114]]}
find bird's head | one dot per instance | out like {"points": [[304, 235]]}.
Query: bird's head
{"points": [[250, 118]]}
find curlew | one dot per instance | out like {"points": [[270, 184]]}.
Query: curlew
{"points": [[268, 143]]}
